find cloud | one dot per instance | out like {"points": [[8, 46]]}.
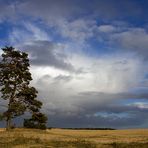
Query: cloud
{"points": [[82, 96], [38, 34], [124, 38], [134, 39], [117, 10], [106, 28], [140, 105], [42, 51], [78, 30], [109, 73], [112, 96], [77, 78], [67, 20], [7, 11], [45, 53], [104, 74], [53, 10], [27, 32], [50, 10], [62, 78], [101, 115], [65, 17], [92, 113]]}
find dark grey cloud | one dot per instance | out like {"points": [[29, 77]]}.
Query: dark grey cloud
{"points": [[52, 81], [113, 9], [94, 109], [126, 95], [8, 10], [50, 9], [44, 53], [111, 122], [114, 118], [63, 78], [118, 9], [93, 102]]}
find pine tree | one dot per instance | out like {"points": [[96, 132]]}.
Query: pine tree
{"points": [[14, 82]]}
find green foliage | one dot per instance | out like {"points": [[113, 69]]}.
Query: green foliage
{"points": [[38, 121], [14, 82]]}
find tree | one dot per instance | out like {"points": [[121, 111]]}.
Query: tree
{"points": [[15, 85], [37, 120]]}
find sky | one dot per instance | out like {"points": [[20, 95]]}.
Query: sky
{"points": [[88, 58]]}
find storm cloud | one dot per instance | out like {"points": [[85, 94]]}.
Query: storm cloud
{"points": [[88, 59]]}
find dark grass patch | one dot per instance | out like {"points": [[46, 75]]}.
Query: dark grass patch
{"points": [[128, 145], [20, 141], [76, 143]]}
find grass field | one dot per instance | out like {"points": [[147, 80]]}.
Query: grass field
{"points": [[61, 138]]}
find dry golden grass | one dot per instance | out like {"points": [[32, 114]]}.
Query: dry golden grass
{"points": [[28, 138], [133, 135]]}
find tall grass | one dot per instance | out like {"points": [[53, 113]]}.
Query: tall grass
{"points": [[27, 138]]}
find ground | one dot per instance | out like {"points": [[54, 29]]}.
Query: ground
{"points": [[62, 138]]}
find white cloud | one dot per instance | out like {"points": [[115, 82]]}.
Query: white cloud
{"points": [[18, 36], [124, 38], [37, 33], [27, 33], [106, 28], [109, 75], [140, 105], [133, 38], [78, 30]]}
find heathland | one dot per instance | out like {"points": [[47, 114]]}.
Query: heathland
{"points": [[66, 138]]}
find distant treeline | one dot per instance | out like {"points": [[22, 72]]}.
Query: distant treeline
{"points": [[84, 128]]}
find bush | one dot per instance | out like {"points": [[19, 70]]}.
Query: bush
{"points": [[38, 121], [28, 123]]}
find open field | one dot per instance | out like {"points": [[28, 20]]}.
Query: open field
{"points": [[61, 138]]}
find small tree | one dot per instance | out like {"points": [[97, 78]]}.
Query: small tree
{"points": [[14, 81], [37, 120]]}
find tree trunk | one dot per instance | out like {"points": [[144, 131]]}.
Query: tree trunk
{"points": [[9, 114], [8, 124]]}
